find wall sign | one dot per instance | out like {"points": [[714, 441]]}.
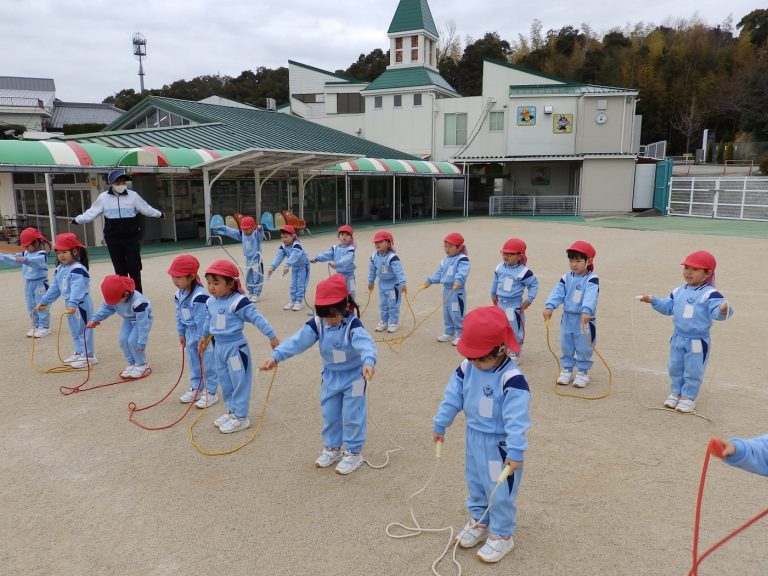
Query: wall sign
{"points": [[562, 123], [526, 115]]}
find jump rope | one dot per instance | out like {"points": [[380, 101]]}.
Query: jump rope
{"points": [[416, 529], [715, 447], [64, 368], [705, 384], [555, 385]]}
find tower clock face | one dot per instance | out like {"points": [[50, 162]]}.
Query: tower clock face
{"points": [[601, 118]]}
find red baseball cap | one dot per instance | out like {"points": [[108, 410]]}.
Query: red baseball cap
{"points": [[227, 269], [184, 265], [331, 290], [29, 235], [113, 287], [701, 259], [67, 241], [347, 229], [455, 239], [289, 229], [485, 328], [247, 222], [514, 245], [383, 235]]}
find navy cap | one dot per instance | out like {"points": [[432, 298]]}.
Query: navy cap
{"points": [[116, 174]]}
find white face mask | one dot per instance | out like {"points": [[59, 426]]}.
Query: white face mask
{"points": [[119, 188]]}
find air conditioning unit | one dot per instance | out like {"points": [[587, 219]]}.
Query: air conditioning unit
{"points": [[271, 104]]}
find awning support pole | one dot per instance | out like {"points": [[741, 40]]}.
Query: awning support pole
{"points": [[51, 205], [207, 204]]}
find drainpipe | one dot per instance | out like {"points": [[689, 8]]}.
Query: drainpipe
{"points": [[207, 204]]}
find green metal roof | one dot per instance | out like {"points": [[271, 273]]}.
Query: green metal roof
{"points": [[228, 128], [411, 77], [344, 77], [544, 89], [412, 15]]}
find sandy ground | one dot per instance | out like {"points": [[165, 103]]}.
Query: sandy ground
{"points": [[609, 486]]}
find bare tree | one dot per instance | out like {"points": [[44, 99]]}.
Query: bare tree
{"points": [[448, 44], [688, 120]]}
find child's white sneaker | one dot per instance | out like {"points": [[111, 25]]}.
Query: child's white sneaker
{"points": [[392, 328], [327, 457], [671, 401], [31, 333], [455, 341], [381, 326], [288, 306], [297, 306], [139, 371], [515, 358], [235, 424], [188, 396], [349, 463], [221, 420], [581, 380], [41, 332], [253, 298], [495, 548], [565, 377], [73, 358], [686, 405], [445, 337], [470, 535], [129, 370], [83, 363], [207, 400]]}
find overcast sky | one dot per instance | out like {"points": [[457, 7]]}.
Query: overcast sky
{"points": [[85, 45]]}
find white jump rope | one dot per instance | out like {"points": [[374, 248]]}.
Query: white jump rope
{"points": [[701, 415], [417, 529]]}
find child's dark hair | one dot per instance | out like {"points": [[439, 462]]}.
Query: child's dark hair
{"points": [[344, 307], [576, 255], [494, 353], [227, 279], [80, 254]]}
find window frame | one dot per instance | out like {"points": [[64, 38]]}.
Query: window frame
{"points": [[455, 130], [495, 126]]}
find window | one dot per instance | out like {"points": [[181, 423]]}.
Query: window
{"points": [[306, 98], [377, 102], [398, 100], [398, 49], [417, 99], [431, 51], [350, 103], [496, 121], [414, 48], [455, 129]]}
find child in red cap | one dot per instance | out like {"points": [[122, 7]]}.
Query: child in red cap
{"points": [[512, 280], [251, 235], [121, 297], [228, 311], [72, 282], [495, 398], [385, 264], [297, 262], [452, 274], [34, 269], [349, 357], [577, 291], [693, 306], [341, 257], [191, 302]]}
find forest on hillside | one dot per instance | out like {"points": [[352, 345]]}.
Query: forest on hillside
{"points": [[690, 75]]}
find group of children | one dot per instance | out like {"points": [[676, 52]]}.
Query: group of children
{"points": [[488, 385]]}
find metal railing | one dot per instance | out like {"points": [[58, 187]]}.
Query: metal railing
{"points": [[12, 101], [657, 150], [732, 198], [532, 205]]}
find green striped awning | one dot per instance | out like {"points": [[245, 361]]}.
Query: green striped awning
{"points": [[381, 165], [74, 154]]}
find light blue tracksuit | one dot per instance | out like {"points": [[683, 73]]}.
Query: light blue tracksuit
{"points": [[191, 323], [693, 308], [73, 283], [495, 404], [344, 349], [508, 286], [298, 261], [344, 257], [137, 323], [389, 269], [453, 269], [34, 270], [750, 455], [578, 295], [254, 276], [228, 315]]}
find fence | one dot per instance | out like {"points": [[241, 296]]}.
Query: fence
{"points": [[656, 150], [733, 198], [532, 205]]}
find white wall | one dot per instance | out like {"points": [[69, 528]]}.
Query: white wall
{"points": [[607, 185], [7, 203], [407, 128], [614, 135]]}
